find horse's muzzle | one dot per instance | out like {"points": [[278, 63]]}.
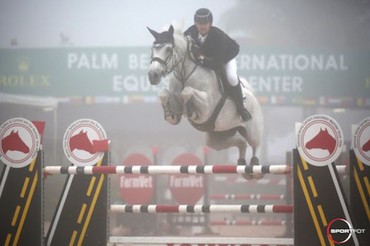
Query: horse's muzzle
{"points": [[154, 77]]}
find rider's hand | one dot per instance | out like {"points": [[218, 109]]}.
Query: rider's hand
{"points": [[201, 59], [208, 62], [196, 50]]}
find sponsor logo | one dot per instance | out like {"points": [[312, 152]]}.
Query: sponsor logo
{"points": [[186, 188], [361, 141], [85, 142], [320, 140], [20, 142], [136, 188]]}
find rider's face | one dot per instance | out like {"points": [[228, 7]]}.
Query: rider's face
{"points": [[203, 29]]}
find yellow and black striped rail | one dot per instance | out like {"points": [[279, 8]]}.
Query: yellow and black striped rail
{"points": [[318, 199], [21, 204]]}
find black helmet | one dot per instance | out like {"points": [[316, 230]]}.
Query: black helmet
{"points": [[203, 16]]}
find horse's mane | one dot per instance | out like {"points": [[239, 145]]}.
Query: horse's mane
{"points": [[178, 26]]}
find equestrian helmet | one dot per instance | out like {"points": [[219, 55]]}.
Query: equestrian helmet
{"points": [[203, 16]]}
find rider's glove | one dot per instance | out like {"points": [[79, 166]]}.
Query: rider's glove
{"points": [[201, 59], [208, 62]]}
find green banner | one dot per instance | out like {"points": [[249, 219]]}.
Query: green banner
{"points": [[122, 71], [306, 73], [76, 72]]}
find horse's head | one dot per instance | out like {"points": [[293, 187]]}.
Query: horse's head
{"points": [[322, 140], [82, 142], [162, 55]]}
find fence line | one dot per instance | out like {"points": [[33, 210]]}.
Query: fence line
{"points": [[168, 169], [184, 209]]}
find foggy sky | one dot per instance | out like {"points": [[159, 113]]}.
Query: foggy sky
{"points": [[41, 23]]}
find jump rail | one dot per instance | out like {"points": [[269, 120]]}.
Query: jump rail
{"points": [[184, 209], [168, 169], [248, 222], [201, 240], [246, 197]]}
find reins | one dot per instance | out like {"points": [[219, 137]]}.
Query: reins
{"points": [[188, 52]]}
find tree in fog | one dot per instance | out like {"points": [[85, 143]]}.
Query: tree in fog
{"points": [[329, 23]]}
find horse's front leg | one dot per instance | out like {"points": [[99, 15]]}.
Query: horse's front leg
{"points": [[172, 109], [196, 105]]}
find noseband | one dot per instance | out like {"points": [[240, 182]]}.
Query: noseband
{"points": [[160, 60]]}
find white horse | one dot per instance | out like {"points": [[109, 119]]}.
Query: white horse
{"points": [[196, 93]]}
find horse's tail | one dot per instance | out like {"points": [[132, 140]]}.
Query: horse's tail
{"points": [[246, 85]]}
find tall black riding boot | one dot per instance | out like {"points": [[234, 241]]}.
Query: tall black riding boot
{"points": [[237, 95]]}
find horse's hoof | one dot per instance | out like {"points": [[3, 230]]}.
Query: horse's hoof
{"points": [[255, 161], [242, 162], [247, 176]]}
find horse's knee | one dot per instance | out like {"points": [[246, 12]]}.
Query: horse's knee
{"points": [[187, 94]]}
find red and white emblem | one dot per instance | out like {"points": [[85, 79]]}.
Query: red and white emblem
{"points": [[319, 140], [20, 141], [85, 142], [361, 141]]}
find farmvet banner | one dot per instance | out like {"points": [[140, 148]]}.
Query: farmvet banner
{"points": [[122, 71]]}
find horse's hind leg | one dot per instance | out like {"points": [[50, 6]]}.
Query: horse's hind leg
{"points": [[255, 161], [224, 140], [254, 143], [241, 161], [220, 141]]}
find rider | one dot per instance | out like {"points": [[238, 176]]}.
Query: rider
{"points": [[216, 46]]}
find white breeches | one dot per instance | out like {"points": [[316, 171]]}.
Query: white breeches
{"points": [[231, 72]]}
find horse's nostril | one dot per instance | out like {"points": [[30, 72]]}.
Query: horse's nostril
{"points": [[153, 75]]}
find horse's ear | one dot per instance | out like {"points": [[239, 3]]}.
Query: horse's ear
{"points": [[154, 33], [171, 30]]}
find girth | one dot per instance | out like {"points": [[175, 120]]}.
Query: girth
{"points": [[210, 124]]}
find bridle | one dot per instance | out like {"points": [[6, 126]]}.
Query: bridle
{"points": [[160, 60], [165, 62]]}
